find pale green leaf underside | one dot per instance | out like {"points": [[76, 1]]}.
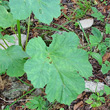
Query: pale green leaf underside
{"points": [[12, 62], [44, 10], [6, 19], [58, 66]]}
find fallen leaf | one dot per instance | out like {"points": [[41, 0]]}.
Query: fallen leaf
{"points": [[76, 106], [1, 84]]}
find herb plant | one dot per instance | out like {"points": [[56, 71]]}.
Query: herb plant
{"points": [[60, 61], [37, 103], [96, 100], [97, 14], [59, 67]]}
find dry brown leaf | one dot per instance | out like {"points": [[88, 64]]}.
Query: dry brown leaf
{"points": [[106, 56], [1, 84], [76, 106]]}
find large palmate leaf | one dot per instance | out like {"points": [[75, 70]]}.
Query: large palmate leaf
{"points": [[12, 61], [44, 10], [61, 66], [6, 19]]}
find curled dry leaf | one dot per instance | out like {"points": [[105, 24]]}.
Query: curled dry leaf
{"points": [[106, 56]]}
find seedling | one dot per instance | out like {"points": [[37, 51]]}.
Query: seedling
{"points": [[97, 14], [96, 99], [37, 103]]}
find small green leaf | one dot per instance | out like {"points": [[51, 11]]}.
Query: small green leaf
{"points": [[97, 14], [36, 103], [61, 108], [97, 56], [12, 61], [89, 101], [96, 38], [101, 92], [102, 47], [107, 89], [93, 96], [105, 67], [102, 99], [107, 27], [107, 42], [97, 33], [6, 18]]}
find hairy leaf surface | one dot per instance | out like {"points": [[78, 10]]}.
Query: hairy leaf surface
{"points": [[12, 61], [44, 10], [60, 66]]}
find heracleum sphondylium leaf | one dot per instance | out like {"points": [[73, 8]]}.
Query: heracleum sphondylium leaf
{"points": [[44, 10], [21, 9], [12, 61], [6, 18], [60, 66]]}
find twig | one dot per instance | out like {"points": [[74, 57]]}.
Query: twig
{"points": [[21, 100]]}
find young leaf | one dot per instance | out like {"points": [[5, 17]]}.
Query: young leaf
{"points": [[12, 62], [107, 89], [107, 27], [6, 18], [36, 103], [58, 66], [44, 10], [97, 14], [97, 56], [97, 38], [102, 99], [105, 67], [89, 101]]}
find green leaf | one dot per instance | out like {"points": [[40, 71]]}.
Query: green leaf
{"points": [[36, 103], [58, 66], [97, 33], [21, 9], [97, 56], [101, 92], [6, 18], [107, 90], [96, 38], [12, 62], [89, 101], [9, 38], [97, 14], [107, 42], [107, 27], [102, 47], [105, 67], [93, 96], [44, 10], [102, 99]]}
